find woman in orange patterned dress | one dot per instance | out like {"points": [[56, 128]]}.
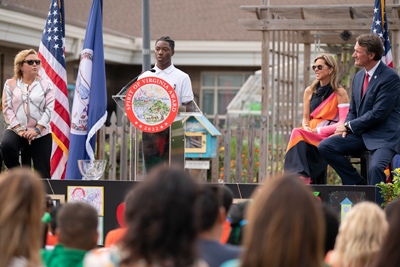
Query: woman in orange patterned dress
{"points": [[325, 104]]}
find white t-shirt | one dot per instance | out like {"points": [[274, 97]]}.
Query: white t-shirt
{"points": [[179, 80]]}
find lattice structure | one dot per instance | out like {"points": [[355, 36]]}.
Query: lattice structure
{"points": [[285, 31]]}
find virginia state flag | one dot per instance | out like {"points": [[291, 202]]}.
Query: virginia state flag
{"points": [[90, 99]]}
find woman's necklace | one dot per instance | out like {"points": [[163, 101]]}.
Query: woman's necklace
{"points": [[25, 88]]}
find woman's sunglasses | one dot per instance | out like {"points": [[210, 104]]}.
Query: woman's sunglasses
{"points": [[320, 67], [30, 62]]}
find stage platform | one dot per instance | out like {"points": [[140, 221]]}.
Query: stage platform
{"points": [[106, 196]]}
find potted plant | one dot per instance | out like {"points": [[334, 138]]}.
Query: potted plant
{"points": [[390, 191]]}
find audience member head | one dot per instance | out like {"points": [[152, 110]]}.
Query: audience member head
{"points": [[21, 209], [46, 219], [209, 207], [160, 216], [331, 227], [389, 255], [227, 198], [49, 204], [286, 226], [360, 236], [53, 221], [236, 215], [333, 77], [77, 225], [389, 208]]}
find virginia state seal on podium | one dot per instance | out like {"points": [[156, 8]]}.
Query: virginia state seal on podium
{"points": [[151, 104]]}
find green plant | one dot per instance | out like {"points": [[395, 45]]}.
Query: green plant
{"points": [[390, 191], [244, 160], [332, 177]]}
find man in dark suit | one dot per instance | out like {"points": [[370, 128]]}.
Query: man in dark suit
{"points": [[373, 121]]}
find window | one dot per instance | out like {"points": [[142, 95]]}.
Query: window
{"points": [[196, 142], [218, 90]]}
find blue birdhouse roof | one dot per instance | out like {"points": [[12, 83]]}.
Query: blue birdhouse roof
{"points": [[346, 201], [205, 123]]}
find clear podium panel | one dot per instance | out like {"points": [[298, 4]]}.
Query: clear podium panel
{"points": [[152, 149], [177, 145], [151, 106]]}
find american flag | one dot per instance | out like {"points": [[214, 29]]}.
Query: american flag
{"points": [[380, 27], [52, 55]]}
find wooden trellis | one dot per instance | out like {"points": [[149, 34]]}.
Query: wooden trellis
{"points": [[284, 29]]}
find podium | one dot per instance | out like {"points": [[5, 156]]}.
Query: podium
{"points": [[156, 129]]}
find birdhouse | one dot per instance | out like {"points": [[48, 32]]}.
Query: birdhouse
{"points": [[200, 137], [346, 205]]}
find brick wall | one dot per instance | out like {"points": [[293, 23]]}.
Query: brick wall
{"points": [[117, 75]]}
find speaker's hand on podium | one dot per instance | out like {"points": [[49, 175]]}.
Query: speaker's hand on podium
{"points": [[189, 107]]}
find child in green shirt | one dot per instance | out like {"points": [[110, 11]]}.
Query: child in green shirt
{"points": [[77, 233]]}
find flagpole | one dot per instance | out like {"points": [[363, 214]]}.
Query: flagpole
{"points": [[98, 131], [146, 35]]}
